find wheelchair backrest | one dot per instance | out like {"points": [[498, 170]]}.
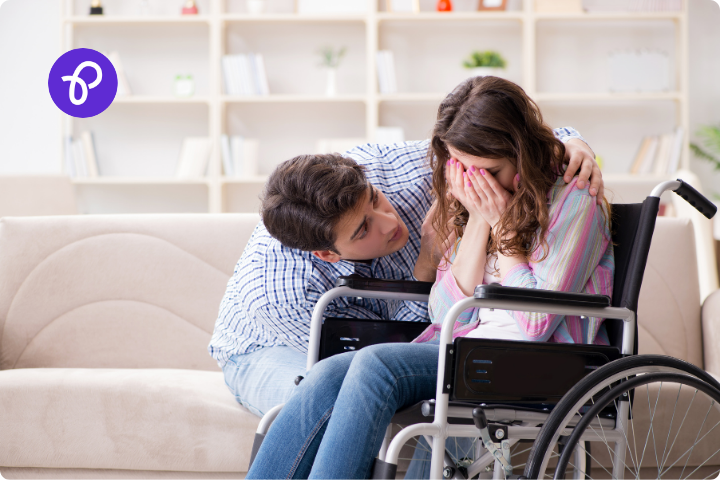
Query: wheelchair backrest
{"points": [[632, 229]]}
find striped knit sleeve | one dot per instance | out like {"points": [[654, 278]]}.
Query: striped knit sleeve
{"points": [[444, 294], [577, 239]]}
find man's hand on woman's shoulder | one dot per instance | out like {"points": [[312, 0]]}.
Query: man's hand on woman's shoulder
{"points": [[582, 162]]}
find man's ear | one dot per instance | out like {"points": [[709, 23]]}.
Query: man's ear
{"points": [[327, 256]]}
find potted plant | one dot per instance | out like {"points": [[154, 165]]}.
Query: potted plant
{"points": [[330, 60], [709, 148], [484, 63]]}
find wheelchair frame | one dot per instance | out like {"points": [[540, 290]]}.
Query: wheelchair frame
{"points": [[439, 429]]}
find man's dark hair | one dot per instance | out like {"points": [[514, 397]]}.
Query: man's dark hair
{"points": [[306, 196]]}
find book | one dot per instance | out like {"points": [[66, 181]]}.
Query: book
{"points": [[662, 158], [123, 85], [228, 78], [640, 155], [262, 82], [194, 156], [247, 85], [244, 153], [226, 155], [386, 71], [89, 153], [79, 159], [676, 151], [69, 161], [649, 159], [236, 153]]}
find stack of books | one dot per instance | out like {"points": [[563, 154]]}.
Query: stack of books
{"points": [[81, 157], [239, 156], [244, 74], [386, 71], [659, 154]]}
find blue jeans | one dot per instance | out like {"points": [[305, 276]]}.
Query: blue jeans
{"points": [[264, 378], [334, 423]]}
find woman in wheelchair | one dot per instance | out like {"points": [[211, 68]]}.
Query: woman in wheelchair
{"points": [[497, 182]]}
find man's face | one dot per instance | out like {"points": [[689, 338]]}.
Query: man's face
{"points": [[372, 230]]}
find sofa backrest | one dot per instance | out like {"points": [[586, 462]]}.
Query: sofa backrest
{"points": [[115, 291], [143, 291], [669, 305]]}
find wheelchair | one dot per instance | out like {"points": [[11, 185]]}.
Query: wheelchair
{"points": [[546, 410]]}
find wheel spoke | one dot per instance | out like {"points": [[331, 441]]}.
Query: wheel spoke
{"points": [[696, 437], [692, 400], [672, 419], [688, 452], [707, 460]]}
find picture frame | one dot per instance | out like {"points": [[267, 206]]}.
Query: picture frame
{"points": [[403, 6], [492, 5]]}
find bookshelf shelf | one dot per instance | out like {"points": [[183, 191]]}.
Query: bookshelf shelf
{"points": [[240, 181], [428, 48], [293, 99], [290, 17], [105, 20], [450, 16], [157, 99], [139, 181], [610, 16], [412, 97], [602, 97]]}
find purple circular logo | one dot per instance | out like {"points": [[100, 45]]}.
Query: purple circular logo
{"points": [[83, 83]]}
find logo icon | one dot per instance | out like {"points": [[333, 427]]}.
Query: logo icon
{"points": [[83, 83]]}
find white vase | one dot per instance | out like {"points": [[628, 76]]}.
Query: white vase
{"points": [[255, 7], [485, 71], [331, 86]]}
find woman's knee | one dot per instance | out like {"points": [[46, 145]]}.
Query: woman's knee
{"points": [[331, 370]]}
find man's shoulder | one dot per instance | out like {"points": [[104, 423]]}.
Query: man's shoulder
{"points": [[394, 167]]}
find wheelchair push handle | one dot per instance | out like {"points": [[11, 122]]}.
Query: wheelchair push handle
{"points": [[696, 199], [689, 194]]}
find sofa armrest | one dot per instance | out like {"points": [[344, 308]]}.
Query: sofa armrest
{"points": [[711, 332]]}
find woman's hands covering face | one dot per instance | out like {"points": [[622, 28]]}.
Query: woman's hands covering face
{"points": [[478, 191]]}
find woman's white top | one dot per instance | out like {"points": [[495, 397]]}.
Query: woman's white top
{"points": [[497, 324]]}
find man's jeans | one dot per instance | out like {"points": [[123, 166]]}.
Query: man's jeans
{"points": [[265, 378]]}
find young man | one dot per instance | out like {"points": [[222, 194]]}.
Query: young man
{"points": [[326, 216]]}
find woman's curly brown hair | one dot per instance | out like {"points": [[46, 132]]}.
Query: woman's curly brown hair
{"points": [[493, 118]]}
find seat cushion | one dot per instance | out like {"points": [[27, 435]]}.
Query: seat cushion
{"points": [[126, 419]]}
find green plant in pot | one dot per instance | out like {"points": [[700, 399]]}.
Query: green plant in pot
{"points": [[709, 147], [484, 63]]}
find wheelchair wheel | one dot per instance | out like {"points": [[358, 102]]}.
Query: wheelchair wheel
{"points": [[644, 416]]}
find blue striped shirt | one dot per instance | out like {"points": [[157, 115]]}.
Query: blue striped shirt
{"points": [[270, 297]]}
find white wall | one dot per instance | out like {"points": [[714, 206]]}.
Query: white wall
{"points": [[704, 24], [29, 121]]}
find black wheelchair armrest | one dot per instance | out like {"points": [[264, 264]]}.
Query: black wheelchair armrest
{"points": [[495, 291], [357, 282]]}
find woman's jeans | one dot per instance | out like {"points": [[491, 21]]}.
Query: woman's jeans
{"points": [[334, 423]]}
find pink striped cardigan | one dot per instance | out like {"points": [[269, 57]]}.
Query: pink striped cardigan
{"points": [[580, 259]]}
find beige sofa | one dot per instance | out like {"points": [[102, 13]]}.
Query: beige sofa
{"points": [[105, 320]]}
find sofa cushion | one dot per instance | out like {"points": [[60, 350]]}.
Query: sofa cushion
{"points": [[106, 291], [127, 419]]}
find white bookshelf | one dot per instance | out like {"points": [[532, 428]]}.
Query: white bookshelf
{"points": [[139, 137]]}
